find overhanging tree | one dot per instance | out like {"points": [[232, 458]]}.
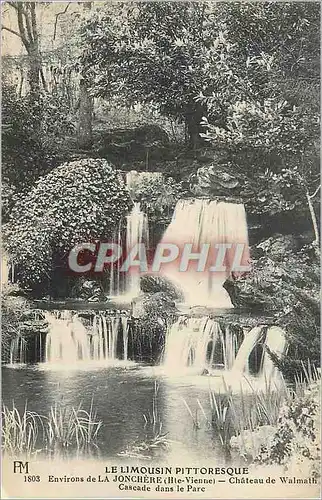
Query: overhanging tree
{"points": [[172, 54], [29, 36], [163, 54]]}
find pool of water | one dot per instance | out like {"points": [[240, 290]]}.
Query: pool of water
{"points": [[122, 395]]}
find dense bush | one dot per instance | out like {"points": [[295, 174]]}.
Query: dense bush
{"points": [[33, 133], [296, 441], [293, 441], [79, 201]]}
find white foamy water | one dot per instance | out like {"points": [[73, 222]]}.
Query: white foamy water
{"points": [[197, 345], [137, 232], [68, 340], [200, 222]]}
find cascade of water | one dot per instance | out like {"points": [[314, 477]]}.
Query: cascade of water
{"points": [[201, 343], [68, 340], [198, 222], [230, 348], [113, 334], [137, 232], [114, 287], [18, 350], [194, 342], [276, 342], [242, 359], [125, 329]]}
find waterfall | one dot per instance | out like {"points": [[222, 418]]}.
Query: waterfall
{"points": [[274, 339], [137, 231], [198, 222], [115, 284], [125, 329], [202, 343], [251, 339], [199, 343], [18, 350], [69, 340], [276, 342]]}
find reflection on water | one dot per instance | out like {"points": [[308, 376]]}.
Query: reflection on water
{"points": [[121, 395]]}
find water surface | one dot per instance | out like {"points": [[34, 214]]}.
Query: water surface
{"points": [[121, 395]]}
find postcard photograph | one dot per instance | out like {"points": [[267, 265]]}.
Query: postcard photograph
{"points": [[160, 267]]}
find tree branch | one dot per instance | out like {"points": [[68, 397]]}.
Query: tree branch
{"points": [[56, 20], [315, 192], [11, 31], [26, 10], [13, 4], [22, 30], [43, 80]]}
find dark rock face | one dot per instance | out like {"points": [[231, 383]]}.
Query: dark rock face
{"points": [[278, 246], [91, 290], [281, 272], [153, 305], [155, 284]]}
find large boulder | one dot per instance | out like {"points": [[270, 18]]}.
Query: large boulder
{"points": [[154, 306], [154, 284]]}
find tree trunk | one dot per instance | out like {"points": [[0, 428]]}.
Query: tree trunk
{"points": [[314, 220], [86, 104], [192, 119], [85, 131], [34, 72]]}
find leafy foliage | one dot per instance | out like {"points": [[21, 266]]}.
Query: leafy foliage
{"points": [[150, 53], [13, 309], [281, 143], [296, 441], [32, 135], [76, 202], [157, 196], [198, 59], [270, 133], [292, 438]]}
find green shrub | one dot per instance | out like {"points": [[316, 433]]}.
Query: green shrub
{"points": [[296, 442], [33, 135], [80, 201]]}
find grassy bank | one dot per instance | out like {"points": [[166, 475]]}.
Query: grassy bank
{"points": [[268, 426], [63, 429]]}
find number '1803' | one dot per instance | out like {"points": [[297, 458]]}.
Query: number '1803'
{"points": [[32, 479]]}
